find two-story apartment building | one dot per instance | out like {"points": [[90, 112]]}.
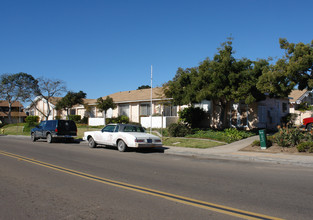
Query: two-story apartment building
{"points": [[17, 113]]}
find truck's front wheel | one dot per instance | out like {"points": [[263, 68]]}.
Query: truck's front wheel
{"points": [[309, 127]]}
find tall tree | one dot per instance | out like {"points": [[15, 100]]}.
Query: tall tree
{"points": [[105, 104], [69, 100], [221, 80], [183, 87], [48, 89], [17, 87]]}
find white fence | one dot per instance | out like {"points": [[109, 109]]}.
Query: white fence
{"points": [[157, 121], [95, 121]]}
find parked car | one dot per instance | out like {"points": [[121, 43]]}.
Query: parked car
{"points": [[308, 123], [54, 129], [122, 136]]}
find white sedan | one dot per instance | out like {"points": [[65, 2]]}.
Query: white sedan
{"points": [[122, 136]]}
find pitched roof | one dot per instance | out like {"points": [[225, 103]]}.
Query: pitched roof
{"points": [[4, 103], [298, 95], [138, 95], [13, 114], [54, 100]]}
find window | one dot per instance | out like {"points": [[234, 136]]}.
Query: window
{"points": [[124, 110], [130, 128], [109, 128], [285, 107], [145, 109], [72, 112], [262, 114], [170, 110], [205, 105]]}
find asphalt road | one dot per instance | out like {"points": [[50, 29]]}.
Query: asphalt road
{"points": [[71, 181]]}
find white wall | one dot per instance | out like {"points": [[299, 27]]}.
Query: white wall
{"points": [[157, 121]]}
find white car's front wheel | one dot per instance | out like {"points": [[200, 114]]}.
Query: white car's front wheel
{"points": [[121, 146], [91, 143]]}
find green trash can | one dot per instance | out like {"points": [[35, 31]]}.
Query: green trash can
{"points": [[262, 134]]}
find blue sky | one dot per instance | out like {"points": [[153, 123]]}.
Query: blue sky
{"points": [[102, 47]]}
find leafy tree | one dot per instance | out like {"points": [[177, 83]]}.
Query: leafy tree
{"points": [[48, 89], [69, 100], [221, 80], [295, 68], [144, 87], [183, 88], [17, 87], [105, 104]]}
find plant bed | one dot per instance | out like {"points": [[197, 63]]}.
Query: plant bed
{"points": [[275, 149]]}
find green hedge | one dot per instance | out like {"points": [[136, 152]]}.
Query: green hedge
{"points": [[178, 130], [75, 118]]}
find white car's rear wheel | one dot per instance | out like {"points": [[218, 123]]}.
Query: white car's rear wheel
{"points": [[121, 146]]}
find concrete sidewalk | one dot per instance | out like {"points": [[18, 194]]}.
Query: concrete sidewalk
{"points": [[232, 151]]}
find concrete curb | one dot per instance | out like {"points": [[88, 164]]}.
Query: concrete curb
{"points": [[232, 151]]}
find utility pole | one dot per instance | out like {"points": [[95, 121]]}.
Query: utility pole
{"points": [[151, 104]]}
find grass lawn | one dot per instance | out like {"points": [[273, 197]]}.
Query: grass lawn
{"points": [[81, 130], [189, 142], [14, 130]]}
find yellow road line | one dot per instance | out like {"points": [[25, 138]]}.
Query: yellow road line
{"points": [[185, 200]]}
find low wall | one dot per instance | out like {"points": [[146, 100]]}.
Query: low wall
{"points": [[157, 121], [95, 121]]}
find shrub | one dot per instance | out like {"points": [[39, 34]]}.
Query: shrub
{"points": [[289, 119], [58, 117], [305, 147], [308, 136], [84, 120], [178, 130], [192, 116], [123, 119], [75, 118], [288, 137], [120, 119], [234, 135], [32, 120]]}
